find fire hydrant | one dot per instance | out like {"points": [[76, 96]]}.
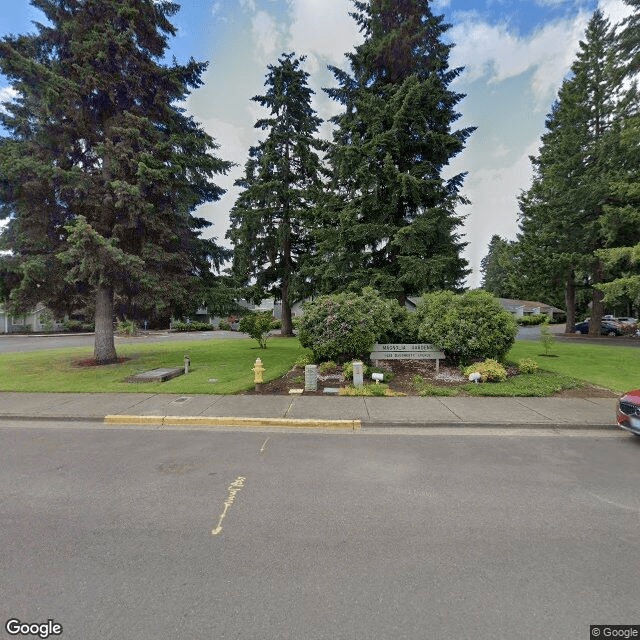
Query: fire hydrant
{"points": [[187, 363], [258, 370]]}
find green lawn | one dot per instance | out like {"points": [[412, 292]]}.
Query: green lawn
{"points": [[231, 361], [228, 361], [616, 368]]}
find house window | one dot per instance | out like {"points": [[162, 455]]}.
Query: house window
{"points": [[17, 321]]}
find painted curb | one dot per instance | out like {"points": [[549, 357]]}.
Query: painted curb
{"points": [[230, 421]]}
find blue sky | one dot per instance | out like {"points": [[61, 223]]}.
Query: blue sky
{"points": [[515, 54]]}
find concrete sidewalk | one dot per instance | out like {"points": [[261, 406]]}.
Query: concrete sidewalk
{"points": [[337, 412]]}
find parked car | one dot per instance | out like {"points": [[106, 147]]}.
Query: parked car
{"points": [[628, 412], [628, 321], [607, 328]]}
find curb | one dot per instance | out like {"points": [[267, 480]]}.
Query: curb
{"points": [[42, 418], [483, 425], [353, 425]]}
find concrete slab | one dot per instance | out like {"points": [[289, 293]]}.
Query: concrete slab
{"points": [[494, 411], [68, 404], [166, 404], [31, 404], [97, 405], [311, 407], [605, 402], [571, 410], [157, 375], [249, 406], [409, 409]]}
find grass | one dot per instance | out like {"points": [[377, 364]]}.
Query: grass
{"points": [[540, 384], [616, 368], [228, 361]]}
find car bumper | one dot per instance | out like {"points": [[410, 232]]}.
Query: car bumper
{"points": [[629, 423]]}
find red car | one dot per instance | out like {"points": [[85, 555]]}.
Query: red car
{"points": [[628, 412]]}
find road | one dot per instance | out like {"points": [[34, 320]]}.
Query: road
{"points": [[378, 535], [533, 333], [14, 343]]}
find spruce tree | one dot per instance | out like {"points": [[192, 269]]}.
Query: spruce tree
{"points": [[389, 219], [271, 218], [102, 169]]}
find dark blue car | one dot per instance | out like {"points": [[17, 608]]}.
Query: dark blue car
{"points": [[607, 328]]}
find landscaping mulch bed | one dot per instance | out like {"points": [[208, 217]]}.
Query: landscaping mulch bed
{"points": [[404, 371]]}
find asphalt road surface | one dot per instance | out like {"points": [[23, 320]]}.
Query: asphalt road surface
{"points": [[13, 343], [144, 534]]}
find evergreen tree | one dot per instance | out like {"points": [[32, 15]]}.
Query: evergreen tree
{"points": [[271, 218], [629, 40], [102, 169], [499, 271], [563, 210], [390, 219], [621, 221]]}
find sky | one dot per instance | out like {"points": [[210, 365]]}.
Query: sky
{"points": [[515, 54]]}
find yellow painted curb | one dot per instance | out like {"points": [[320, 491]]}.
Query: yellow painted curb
{"points": [[214, 421], [134, 419]]}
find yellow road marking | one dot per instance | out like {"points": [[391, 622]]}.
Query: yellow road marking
{"points": [[233, 489]]}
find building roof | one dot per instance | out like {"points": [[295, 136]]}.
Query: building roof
{"points": [[528, 305]]}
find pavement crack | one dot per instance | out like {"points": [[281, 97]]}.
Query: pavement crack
{"points": [[286, 413]]}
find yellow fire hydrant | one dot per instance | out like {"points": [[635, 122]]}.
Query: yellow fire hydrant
{"points": [[258, 370]]}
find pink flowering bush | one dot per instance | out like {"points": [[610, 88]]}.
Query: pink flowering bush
{"points": [[345, 325]]}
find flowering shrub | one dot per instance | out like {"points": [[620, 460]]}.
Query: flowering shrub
{"points": [[344, 325], [527, 365], [466, 326], [490, 370]]}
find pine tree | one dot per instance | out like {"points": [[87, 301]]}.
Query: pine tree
{"points": [[271, 218], [390, 219], [102, 169]]}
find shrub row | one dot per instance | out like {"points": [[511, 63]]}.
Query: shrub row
{"points": [[466, 326], [191, 326]]}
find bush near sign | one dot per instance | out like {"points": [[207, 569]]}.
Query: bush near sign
{"points": [[407, 352]]}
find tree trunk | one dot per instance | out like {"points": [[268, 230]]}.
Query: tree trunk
{"points": [[570, 301], [597, 306], [104, 348], [287, 324]]}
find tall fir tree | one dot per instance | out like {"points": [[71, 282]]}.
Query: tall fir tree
{"points": [[272, 217], [102, 169], [621, 221], [563, 210], [390, 217]]}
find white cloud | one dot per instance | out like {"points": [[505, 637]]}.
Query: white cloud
{"points": [[495, 52], [615, 10], [494, 206], [265, 35], [7, 94], [323, 29], [248, 5]]}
